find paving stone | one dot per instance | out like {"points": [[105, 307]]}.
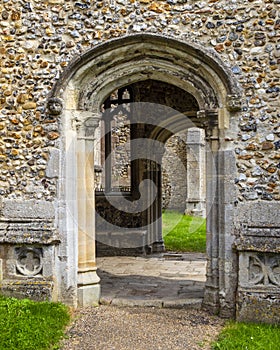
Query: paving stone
{"points": [[158, 285]]}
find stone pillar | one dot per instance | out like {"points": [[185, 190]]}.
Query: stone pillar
{"points": [[211, 295], [88, 280], [196, 184]]}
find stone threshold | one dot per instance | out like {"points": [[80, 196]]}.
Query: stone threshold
{"points": [[157, 303]]}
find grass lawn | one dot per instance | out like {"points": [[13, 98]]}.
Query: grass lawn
{"points": [[248, 336], [26, 324], [183, 233]]}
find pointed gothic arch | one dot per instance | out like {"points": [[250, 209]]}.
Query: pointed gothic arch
{"points": [[83, 87]]}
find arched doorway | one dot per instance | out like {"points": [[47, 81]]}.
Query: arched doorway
{"points": [[86, 85]]}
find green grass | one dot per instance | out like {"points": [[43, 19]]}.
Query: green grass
{"points": [[248, 336], [26, 324], [183, 233]]}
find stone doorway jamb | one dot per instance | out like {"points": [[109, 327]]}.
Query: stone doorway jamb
{"points": [[86, 123]]}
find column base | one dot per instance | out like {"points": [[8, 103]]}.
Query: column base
{"points": [[89, 295], [158, 247], [211, 301], [89, 289], [195, 207]]}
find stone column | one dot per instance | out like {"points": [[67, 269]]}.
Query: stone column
{"points": [[88, 280], [196, 186], [211, 294]]}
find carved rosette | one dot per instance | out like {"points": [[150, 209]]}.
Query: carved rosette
{"points": [[264, 270], [29, 261], [259, 270]]}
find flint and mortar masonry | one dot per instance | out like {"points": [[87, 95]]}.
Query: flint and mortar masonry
{"points": [[40, 38]]}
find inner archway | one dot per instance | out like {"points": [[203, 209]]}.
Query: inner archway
{"points": [[130, 153], [86, 85]]}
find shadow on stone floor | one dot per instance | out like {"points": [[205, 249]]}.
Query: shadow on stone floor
{"points": [[135, 290]]}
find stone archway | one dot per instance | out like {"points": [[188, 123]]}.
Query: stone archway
{"points": [[84, 86]]}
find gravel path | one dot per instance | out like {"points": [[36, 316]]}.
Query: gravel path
{"points": [[138, 328]]}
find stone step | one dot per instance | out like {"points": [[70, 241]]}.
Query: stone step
{"points": [[159, 303]]}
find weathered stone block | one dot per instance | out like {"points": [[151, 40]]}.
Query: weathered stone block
{"points": [[258, 307], [28, 232], [259, 244], [37, 290], [28, 209], [52, 169], [262, 214]]}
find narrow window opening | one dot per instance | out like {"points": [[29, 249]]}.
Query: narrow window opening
{"points": [[115, 129]]}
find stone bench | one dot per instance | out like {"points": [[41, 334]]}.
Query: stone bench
{"points": [[125, 239]]}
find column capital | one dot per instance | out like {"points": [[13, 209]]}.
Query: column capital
{"points": [[201, 114], [85, 122], [195, 136], [206, 113], [91, 124]]}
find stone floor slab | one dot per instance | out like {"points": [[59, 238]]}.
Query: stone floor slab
{"points": [[153, 280]]}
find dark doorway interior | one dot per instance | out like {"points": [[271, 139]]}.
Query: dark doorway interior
{"points": [[137, 120]]}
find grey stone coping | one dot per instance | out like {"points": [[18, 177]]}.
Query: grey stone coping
{"points": [[31, 232]]}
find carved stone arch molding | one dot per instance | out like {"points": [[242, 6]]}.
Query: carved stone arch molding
{"points": [[83, 87], [145, 56]]}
